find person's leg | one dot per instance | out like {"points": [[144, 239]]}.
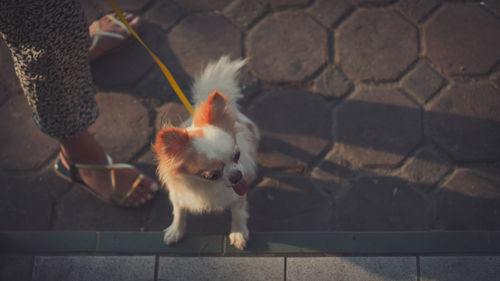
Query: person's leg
{"points": [[49, 42]]}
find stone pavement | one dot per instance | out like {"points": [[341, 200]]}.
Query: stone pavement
{"points": [[149, 268], [376, 115]]}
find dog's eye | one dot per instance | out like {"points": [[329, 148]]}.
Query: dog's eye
{"points": [[236, 156], [211, 175]]}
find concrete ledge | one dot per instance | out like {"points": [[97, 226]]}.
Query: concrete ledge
{"points": [[282, 243]]}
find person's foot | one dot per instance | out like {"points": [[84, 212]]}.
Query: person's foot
{"points": [[84, 149], [106, 44]]}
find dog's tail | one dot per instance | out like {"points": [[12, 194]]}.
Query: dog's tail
{"points": [[221, 76]]}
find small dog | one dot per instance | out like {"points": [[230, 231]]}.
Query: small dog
{"points": [[208, 163]]}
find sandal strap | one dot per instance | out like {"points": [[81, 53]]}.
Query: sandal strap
{"points": [[112, 167], [132, 188], [100, 33], [118, 22]]}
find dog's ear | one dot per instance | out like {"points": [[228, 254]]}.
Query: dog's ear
{"points": [[214, 111], [171, 142]]}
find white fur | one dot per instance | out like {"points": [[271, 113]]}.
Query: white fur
{"points": [[215, 143], [194, 194], [221, 76]]}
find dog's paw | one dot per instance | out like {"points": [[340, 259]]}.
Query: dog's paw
{"points": [[238, 240], [172, 235]]}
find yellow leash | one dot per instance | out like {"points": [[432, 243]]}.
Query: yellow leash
{"points": [[163, 68]]}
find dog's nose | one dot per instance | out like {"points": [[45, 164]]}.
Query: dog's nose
{"points": [[235, 177]]}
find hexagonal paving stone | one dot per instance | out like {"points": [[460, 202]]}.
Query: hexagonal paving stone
{"points": [[375, 44], [427, 166], [423, 82], [165, 13], [125, 5], [469, 200], [332, 83], [4, 93], [295, 127], [334, 173], [382, 203], [155, 87], [495, 79], [463, 39], [370, 2], [493, 5], [286, 47], [282, 203], [25, 204], [199, 6], [244, 12], [330, 12], [91, 12], [285, 3], [201, 38], [464, 120], [377, 126], [128, 64], [122, 127], [417, 10], [172, 113], [24, 146], [79, 210]]}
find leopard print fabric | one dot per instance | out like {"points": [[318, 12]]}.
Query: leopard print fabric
{"points": [[49, 43]]}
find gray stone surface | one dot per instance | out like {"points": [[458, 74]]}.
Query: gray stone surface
{"points": [[286, 47], [18, 268], [125, 5], [452, 40], [422, 82], [125, 66], [170, 114], [80, 210], [220, 268], [285, 3], [165, 13], [201, 38], [484, 268], [289, 203], [377, 126], [493, 5], [426, 166], [328, 12], [417, 10], [23, 145], [338, 88], [332, 83], [244, 12], [76, 268], [469, 199], [352, 268], [203, 6], [464, 120], [382, 203], [130, 121], [369, 3], [294, 127], [24, 205], [375, 44], [495, 79]]}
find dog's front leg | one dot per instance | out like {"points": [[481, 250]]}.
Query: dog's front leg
{"points": [[239, 230], [177, 229]]}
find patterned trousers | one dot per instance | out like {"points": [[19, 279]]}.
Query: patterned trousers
{"points": [[49, 43]]}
